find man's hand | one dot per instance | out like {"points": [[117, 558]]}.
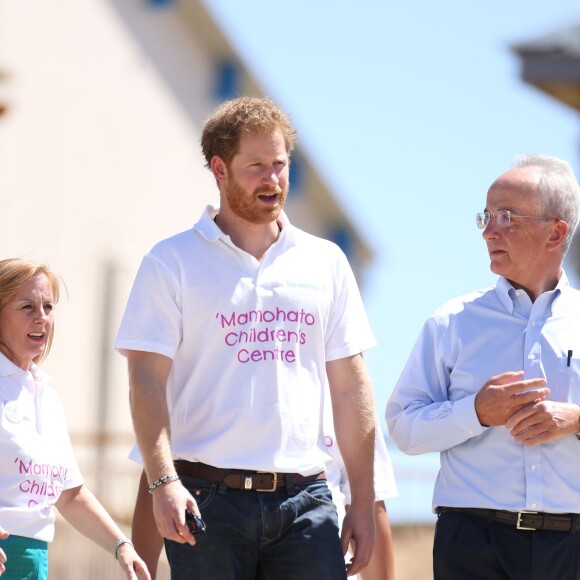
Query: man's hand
{"points": [[170, 502], [358, 530], [505, 394], [543, 421]]}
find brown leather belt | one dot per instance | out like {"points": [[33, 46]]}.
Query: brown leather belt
{"points": [[523, 520], [242, 479]]}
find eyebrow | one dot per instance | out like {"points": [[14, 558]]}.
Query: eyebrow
{"points": [[501, 209], [27, 299]]}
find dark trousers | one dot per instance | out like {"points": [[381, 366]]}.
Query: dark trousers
{"points": [[284, 535], [468, 547]]}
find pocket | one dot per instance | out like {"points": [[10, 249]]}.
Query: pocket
{"points": [[568, 380], [203, 492], [318, 494]]}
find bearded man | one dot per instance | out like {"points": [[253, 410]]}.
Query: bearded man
{"points": [[232, 331]]}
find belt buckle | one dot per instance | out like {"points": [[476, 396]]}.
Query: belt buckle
{"points": [[519, 522], [274, 481]]}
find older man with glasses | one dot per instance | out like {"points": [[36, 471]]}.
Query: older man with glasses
{"points": [[493, 385]]}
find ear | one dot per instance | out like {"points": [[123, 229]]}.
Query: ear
{"points": [[557, 235], [218, 168]]}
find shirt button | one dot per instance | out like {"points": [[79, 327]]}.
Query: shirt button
{"points": [[533, 323], [533, 467], [470, 432], [534, 504], [531, 357]]}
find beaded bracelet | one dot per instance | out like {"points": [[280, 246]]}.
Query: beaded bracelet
{"points": [[118, 544], [161, 481]]}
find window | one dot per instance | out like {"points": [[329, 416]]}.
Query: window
{"points": [[160, 3], [296, 173], [343, 238], [227, 81]]}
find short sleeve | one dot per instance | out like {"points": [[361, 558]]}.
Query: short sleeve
{"points": [[348, 332], [152, 319]]}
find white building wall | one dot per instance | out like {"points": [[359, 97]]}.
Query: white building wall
{"points": [[98, 160]]}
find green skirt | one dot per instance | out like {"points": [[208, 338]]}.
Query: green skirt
{"points": [[27, 558]]}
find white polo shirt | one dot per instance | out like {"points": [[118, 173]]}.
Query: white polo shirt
{"points": [[36, 458], [385, 485], [249, 341]]}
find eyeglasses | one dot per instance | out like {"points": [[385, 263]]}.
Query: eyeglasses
{"points": [[504, 217]]}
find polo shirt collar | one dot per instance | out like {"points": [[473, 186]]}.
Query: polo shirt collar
{"points": [[7, 368], [207, 227]]}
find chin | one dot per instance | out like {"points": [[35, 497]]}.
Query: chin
{"points": [[275, 214], [496, 268], [269, 217]]}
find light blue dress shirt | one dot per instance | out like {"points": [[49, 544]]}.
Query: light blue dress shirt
{"points": [[461, 346]]}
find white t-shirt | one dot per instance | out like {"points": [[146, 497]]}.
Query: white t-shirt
{"points": [[249, 342], [385, 486], [36, 457]]}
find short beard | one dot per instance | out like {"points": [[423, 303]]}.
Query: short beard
{"points": [[245, 206]]}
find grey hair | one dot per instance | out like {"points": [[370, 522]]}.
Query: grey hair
{"points": [[558, 188]]}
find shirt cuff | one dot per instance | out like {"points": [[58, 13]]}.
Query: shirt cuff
{"points": [[466, 417]]}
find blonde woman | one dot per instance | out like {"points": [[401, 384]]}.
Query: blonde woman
{"points": [[37, 466]]}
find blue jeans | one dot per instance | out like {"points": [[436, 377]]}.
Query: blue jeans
{"points": [[283, 535]]}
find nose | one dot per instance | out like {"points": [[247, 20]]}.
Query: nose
{"points": [[491, 230], [271, 176], [41, 315]]}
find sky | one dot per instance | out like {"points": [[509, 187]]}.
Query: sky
{"points": [[409, 110]]}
